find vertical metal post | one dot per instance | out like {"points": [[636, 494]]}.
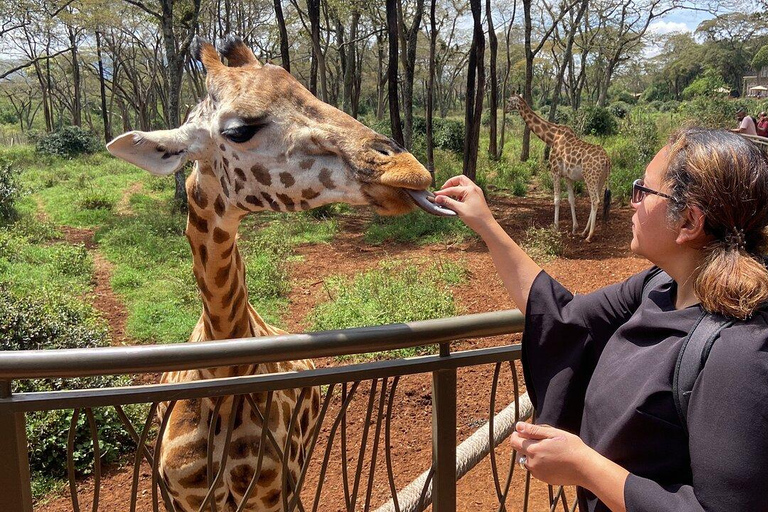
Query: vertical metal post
{"points": [[14, 471], [444, 437]]}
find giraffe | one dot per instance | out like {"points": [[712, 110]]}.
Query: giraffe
{"points": [[259, 141], [573, 159]]}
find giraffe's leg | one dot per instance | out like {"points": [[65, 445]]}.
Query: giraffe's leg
{"points": [[572, 202], [595, 201], [556, 187]]}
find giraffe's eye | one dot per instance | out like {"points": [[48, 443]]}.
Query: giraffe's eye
{"points": [[242, 133]]}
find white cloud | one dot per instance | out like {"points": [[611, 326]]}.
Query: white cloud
{"points": [[667, 27]]}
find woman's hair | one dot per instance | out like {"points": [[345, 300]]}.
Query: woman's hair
{"points": [[726, 176]]}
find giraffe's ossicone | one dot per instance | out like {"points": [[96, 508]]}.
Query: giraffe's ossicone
{"points": [[259, 141]]}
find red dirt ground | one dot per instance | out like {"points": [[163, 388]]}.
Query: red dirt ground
{"points": [[582, 268]]}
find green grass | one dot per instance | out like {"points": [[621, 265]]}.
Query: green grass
{"points": [[417, 227], [145, 242], [32, 259], [396, 291]]}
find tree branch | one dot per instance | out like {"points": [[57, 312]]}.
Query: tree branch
{"points": [[31, 62]]}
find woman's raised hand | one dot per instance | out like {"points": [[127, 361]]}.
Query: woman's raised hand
{"points": [[461, 195]]}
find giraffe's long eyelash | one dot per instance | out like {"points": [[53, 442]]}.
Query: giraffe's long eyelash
{"points": [[242, 133]]}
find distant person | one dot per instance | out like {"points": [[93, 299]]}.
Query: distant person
{"points": [[762, 124], [746, 123]]}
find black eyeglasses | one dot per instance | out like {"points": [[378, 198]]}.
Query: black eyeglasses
{"points": [[639, 191]]}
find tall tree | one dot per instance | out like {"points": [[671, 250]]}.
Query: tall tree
{"points": [[103, 91], [530, 54], [431, 88], [394, 103], [493, 95], [475, 92], [408, 41], [284, 54], [178, 30]]}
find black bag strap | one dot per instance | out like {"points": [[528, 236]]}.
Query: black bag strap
{"points": [[692, 358], [695, 349]]}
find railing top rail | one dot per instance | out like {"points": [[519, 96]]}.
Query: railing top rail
{"points": [[31, 364]]}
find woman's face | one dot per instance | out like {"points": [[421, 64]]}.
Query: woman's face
{"points": [[653, 236]]}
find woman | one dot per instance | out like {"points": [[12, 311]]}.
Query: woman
{"points": [[762, 125], [601, 364]]}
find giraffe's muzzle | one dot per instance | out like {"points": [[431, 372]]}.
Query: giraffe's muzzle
{"points": [[425, 200]]}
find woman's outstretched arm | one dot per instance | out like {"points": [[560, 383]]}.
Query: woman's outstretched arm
{"points": [[516, 268]]}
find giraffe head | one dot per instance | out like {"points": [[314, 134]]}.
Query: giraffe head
{"points": [[262, 141], [514, 102]]}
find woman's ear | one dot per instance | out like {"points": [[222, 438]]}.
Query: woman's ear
{"points": [[691, 230]]}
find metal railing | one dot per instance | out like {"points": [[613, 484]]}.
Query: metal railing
{"points": [[340, 385]]}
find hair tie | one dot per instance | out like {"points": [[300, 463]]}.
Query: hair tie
{"points": [[736, 239]]}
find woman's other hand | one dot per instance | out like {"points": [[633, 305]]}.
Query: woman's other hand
{"points": [[461, 195], [553, 456]]}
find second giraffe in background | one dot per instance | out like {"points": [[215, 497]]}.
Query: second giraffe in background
{"points": [[573, 159]]}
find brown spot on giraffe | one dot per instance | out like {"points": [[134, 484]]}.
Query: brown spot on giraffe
{"points": [[287, 201], [220, 236], [261, 174], [307, 163], [287, 179], [325, 178], [240, 174], [309, 194], [219, 206], [195, 220]]}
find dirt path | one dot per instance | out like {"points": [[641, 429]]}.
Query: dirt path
{"points": [[582, 268]]}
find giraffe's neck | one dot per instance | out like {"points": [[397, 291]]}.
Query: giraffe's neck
{"points": [[220, 274], [544, 130]]}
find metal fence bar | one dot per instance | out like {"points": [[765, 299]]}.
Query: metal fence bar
{"points": [[14, 470], [444, 436], [72, 399], [32, 364], [19, 365]]}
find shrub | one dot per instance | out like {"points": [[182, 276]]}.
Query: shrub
{"points": [[543, 243], [68, 142], [596, 120], [9, 191], [52, 322], [620, 109]]}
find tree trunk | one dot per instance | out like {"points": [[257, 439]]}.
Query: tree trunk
{"points": [[103, 91], [508, 70], [409, 40], [566, 61], [382, 80], [494, 93], [430, 89], [318, 59], [475, 93], [77, 106], [394, 103], [284, 55], [525, 152]]}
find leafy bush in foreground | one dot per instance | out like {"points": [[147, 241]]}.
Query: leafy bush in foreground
{"points": [[49, 322]]}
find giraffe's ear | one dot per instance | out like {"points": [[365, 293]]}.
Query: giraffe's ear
{"points": [[160, 152]]}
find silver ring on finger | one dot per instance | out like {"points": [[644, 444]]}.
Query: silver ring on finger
{"points": [[522, 461]]}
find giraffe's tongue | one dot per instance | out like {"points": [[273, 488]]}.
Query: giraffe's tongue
{"points": [[425, 200]]}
